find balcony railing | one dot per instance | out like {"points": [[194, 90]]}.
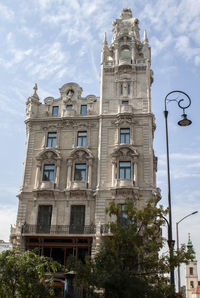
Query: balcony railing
{"points": [[58, 229]]}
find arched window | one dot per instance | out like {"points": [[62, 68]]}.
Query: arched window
{"points": [[48, 169], [79, 172], [124, 166]]}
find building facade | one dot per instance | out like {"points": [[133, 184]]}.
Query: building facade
{"points": [[84, 152]]}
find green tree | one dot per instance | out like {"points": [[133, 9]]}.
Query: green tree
{"points": [[24, 275], [129, 263]]}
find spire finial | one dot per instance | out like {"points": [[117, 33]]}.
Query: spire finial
{"points": [[35, 88], [145, 37], [105, 39]]}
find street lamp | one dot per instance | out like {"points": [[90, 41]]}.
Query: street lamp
{"points": [[177, 245], [180, 98]]}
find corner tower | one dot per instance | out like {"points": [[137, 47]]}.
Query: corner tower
{"points": [[127, 163]]}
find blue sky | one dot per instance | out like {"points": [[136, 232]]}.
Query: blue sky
{"points": [[52, 42]]}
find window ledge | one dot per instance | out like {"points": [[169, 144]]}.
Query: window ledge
{"points": [[47, 185], [79, 184], [125, 183], [124, 108]]}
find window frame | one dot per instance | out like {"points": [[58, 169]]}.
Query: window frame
{"points": [[81, 139], [123, 219], [124, 135], [69, 107], [80, 171], [121, 89], [46, 176], [51, 140], [123, 170], [191, 270], [125, 102], [83, 112], [53, 110]]}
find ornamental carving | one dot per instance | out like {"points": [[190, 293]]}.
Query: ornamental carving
{"points": [[121, 120], [124, 151], [81, 154], [49, 154]]}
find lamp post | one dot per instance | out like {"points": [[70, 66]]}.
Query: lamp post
{"points": [[177, 245], [180, 98]]}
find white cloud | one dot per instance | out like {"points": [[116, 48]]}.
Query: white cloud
{"points": [[6, 12]]}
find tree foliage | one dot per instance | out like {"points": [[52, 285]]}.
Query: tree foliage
{"points": [[129, 263], [24, 275]]}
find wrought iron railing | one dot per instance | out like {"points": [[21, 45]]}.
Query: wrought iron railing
{"points": [[58, 229]]}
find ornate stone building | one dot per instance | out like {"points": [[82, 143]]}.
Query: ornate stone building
{"points": [[83, 152]]}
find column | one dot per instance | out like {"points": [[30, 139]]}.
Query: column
{"points": [[89, 173], [113, 172], [57, 174], [37, 175], [44, 140], [135, 166], [69, 173]]}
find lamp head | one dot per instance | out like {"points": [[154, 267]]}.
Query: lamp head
{"points": [[184, 121]]}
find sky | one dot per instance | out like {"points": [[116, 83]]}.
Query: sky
{"points": [[53, 42]]}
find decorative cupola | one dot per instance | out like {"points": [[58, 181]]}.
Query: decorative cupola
{"points": [[190, 248], [32, 103]]}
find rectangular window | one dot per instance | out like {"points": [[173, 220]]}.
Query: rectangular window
{"points": [[69, 107], [191, 271], [80, 172], [51, 139], [82, 138], [124, 170], [48, 172], [192, 284], [77, 219], [44, 218], [125, 136], [83, 109], [77, 215], [55, 111], [121, 89], [125, 102], [122, 218], [129, 89]]}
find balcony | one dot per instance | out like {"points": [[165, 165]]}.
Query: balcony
{"points": [[79, 185], [47, 185], [63, 230], [124, 108], [125, 183]]}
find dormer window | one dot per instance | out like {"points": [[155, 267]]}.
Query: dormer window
{"points": [[55, 111], [70, 92], [83, 109]]}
